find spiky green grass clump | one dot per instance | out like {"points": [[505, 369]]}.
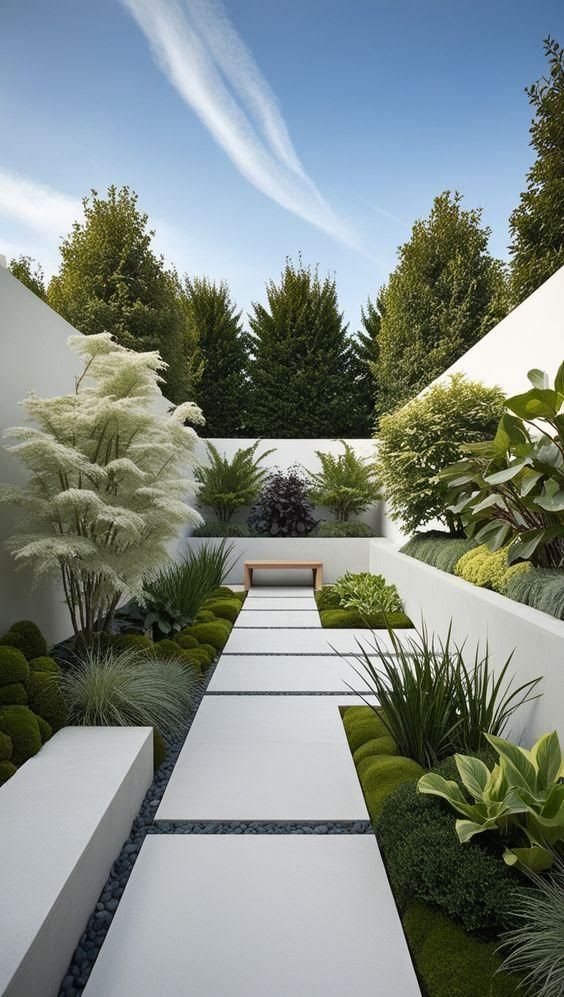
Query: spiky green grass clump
{"points": [[536, 946], [440, 550], [541, 588]]}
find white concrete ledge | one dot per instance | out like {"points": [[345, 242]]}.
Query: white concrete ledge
{"points": [[338, 555], [63, 819]]}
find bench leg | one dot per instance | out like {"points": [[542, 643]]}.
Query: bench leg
{"points": [[247, 578], [318, 578]]}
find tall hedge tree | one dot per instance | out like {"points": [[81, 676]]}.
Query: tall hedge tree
{"points": [[110, 280], [222, 390], [30, 273], [301, 367], [537, 224], [446, 292], [365, 349]]}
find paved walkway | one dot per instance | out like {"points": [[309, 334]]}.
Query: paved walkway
{"points": [[284, 914]]}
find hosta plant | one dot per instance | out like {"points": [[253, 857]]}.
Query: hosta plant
{"points": [[346, 483], [510, 490], [521, 799], [227, 485], [369, 594]]}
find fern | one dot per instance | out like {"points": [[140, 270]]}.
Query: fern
{"points": [[227, 485], [346, 484]]}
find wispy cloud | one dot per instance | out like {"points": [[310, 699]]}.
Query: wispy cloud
{"points": [[212, 69], [38, 207]]}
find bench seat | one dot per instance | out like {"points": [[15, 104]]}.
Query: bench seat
{"points": [[315, 566]]}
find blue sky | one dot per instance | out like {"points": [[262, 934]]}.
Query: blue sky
{"points": [[264, 128]]}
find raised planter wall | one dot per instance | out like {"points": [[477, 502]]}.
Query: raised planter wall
{"points": [[338, 556], [536, 639]]}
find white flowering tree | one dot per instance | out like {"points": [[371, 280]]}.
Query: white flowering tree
{"points": [[108, 480]]}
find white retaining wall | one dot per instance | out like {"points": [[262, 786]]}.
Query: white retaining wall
{"points": [[337, 555]]}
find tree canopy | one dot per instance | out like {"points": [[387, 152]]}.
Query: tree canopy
{"points": [[30, 273]]}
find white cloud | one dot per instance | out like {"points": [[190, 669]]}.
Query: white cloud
{"points": [[36, 206], [200, 52]]}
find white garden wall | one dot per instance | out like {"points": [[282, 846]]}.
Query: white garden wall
{"points": [[338, 556]]}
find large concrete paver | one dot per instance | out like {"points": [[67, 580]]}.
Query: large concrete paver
{"points": [[287, 673], [277, 618], [312, 641]]}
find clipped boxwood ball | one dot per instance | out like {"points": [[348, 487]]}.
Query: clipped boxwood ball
{"points": [[165, 650], [21, 725], [186, 640], [44, 664], [224, 592], [204, 616], [159, 749], [7, 770], [215, 633], [347, 619], [210, 651], [362, 724], [379, 775], [384, 745], [13, 666], [45, 729], [30, 640], [46, 699], [13, 694], [200, 656], [139, 641], [5, 747], [225, 609]]}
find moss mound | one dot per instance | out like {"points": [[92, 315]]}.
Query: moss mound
{"points": [[13, 694], [159, 749], [362, 724], [139, 641], [44, 664], [384, 745], [45, 729], [5, 747], [166, 649], [327, 598], [205, 616], [7, 770], [226, 609], [210, 651], [337, 528], [46, 699], [450, 963], [185, 640], [27, 637], [346, 619], [21, 726], [215, 633], [380, 775], [13, 666], [198, 656]]}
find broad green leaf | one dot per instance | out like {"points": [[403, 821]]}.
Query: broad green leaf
{"points": [[474, 774], [521, 771], [494, 534], [552, 503], [538, 403], [534, 859], [435, 785], [507, 474], [466, 829], [529, 480], [527, 545], [559, 380], [538, 378]]}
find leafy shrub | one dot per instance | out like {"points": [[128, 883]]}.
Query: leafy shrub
{"points": [[433, 702], [380, 775], [522, 799], [541, 588], [21, 726], [449, 962], [13, 666], [535, 944], [338, 529], [438, 549], [423, 437], [346, 484], [489, 569], [346, 619], [27, 637], [425, 861], [367, 593], [327, 598], [510, 490], [128, 689], [283, 508], [226, 485], [217, 529]]}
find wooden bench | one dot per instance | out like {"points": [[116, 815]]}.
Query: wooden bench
{"points": [[315, 566]]}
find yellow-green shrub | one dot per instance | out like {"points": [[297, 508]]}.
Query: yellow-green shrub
{"points": [[488, 569]]}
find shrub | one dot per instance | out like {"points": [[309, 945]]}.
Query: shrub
{"points": [[204, 616], [7, 770], [337, 528], [535, 943], [345, 619], [44, 664], [541, 588], [27, 637], [489, 569], [14, 694], [227, 485], [449, 962], [184, 640], [283, 508], [138, 642], [423, 437], [215, 633], [227, 609], [438, 549], [380, 775], [21, 726], [346, 484], [45, 729], [46, 699], [13, 666], [159, 749], [210, 651], [384, 745], [362, 724], [426, 862], [327, 598], [199, 657], [126, 688], [166, 650], [224, 592], [216, 529], [5, 747], [367, 593]]}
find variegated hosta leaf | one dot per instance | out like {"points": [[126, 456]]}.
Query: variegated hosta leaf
{"points": [[533, 859]]}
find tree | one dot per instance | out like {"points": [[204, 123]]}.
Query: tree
{"points": [[301, 367], [110, 280], [222, 389], [30, 273], [537, 224], [446, 292], [365, 349], [107, 485]]}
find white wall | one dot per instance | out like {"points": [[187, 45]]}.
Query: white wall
{"points": [[34, 356]]}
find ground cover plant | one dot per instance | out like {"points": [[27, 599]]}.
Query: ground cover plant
{"points": [[283, 508], [438, 548], [338, 529], [227, 485], [541, 588], [361, 600], [346, 484]]}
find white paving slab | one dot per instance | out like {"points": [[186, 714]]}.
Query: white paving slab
{"points": [[251, 915], [268, 591], [277, 618], [265, 758], [286, 673], [280, 602], [314, 641]]}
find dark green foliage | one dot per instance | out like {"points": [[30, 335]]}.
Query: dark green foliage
{"points": [[346, 484], [21, 725], [362, 724], [27, 637], [364, 350], [537, 224], [302, 378], [185, 640], [215, 633], [14, 694], [227, 485], [327, 598], [13, 666], [204, 616], [283, 508], [110, 280], [438, 549], [542, 588], [446, 292], [384, 745], [5, 747], [45, 729], [46, 699], [198, 656], [426, 861], [227, 609], [159, 749], [380, 775], [223, 386], [166, 650], [44, 664], [217, 529], [30, 273], [449, 962], [139, 641], [7, 770], [347, 619], [210, 651], [336, 529]]}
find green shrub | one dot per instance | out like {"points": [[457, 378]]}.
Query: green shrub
{"points": [[367, 593], [541, 588], [13, 666], [27, 637], [489, 569], [226, 609], [159, 749], [426, 862], [384, 745], [346, 619], [7, 770], [46, 699], [204, 616], [13, 694], [137, 641], [199, 657], [166, 650], [44, 664], [327, 598], [334, 529], [227, 485], [346, 483], [5, 747], [380, 775], [449, 962], [215, 633], [21, 725], [438, 549], [217, 529], [362, 724], [223, 592], [45, 729], [210, 651], [185, 641]]}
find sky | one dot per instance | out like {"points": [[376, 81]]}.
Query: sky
{"points": [[255, 130]]}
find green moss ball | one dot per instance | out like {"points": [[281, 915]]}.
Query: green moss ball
{"points": [[348, 619], [380, 774], [384, 745], [224, 609], [139, 641], [210, 651], [28, 639], [46, 699], [45, 729], [13, 666], [5, 747], [200, 657], [7, 770], [205, 616], [13, 694], [185, 640], [21, 725], [44, 664], [362, 724], [166, 649], [215, 633]]}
